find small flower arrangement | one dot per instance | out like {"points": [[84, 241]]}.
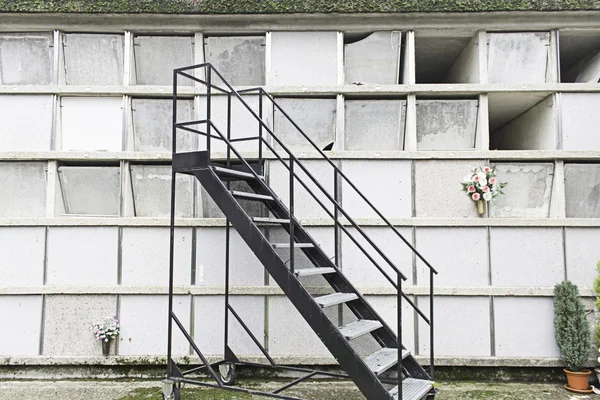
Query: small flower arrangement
{"points": [[106, 329], [483, 184]]}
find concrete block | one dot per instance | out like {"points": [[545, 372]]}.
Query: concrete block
{"points": [[528, 192], [152, 191], [144, 325], [582, 187], [93, 59], [446, 124], [82, 256], [375, 59], [245, 268], [526, 256], [465, 333], [91, 190], [145, 256], [362, 272], [447, 201], [157, 56], [25, 123], [152, 125], [387, 308], [374, 124], [316, 118], [25, 316], [580, 120], [22, 253], [582, 255], [458, 254], [524, 327], [209, 324], [26, 59], [385, 183], [303, 58], [519, 57], [77, 313], [240, 59], [23, 183]]}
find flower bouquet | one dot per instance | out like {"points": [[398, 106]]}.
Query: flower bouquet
{"points": [[482, 186], [105, 331]]}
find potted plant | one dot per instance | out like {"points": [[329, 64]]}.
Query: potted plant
{"points": [[482, 186], [105, 331], [597, 331], [572, 333]]}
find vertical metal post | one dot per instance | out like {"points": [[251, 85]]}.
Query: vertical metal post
{"points": [[228, 130], [399, 305], [291, 214], [227, 231], [260, 127], [431, 368], [336, 233], [208, 108]]}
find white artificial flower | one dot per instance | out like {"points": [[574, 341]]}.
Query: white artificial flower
{"points": [[487, 196], [481, 175]]}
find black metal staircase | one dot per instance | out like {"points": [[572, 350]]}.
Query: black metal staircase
{"points": [[366, 348]]}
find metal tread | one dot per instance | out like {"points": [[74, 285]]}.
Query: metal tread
{"points": [[266, 220], [234, 172], [412, 389], [296, 245], [382, 360], [315, 271], [335, 299], [359, 328], [250, 196]]}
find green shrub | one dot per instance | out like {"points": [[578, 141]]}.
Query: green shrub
{"points": [[597, 290], [571, 329]]}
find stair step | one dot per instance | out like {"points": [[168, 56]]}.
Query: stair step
{"points": [[384, 359], [315, 271], [413, 389], [296, 245], [235, 172], [263, 220], [250, 196], [359, 328], [335, 299]]}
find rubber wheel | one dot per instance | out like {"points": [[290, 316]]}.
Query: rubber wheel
{"points": [[227, 372]]}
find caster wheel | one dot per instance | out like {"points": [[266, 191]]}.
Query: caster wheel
{"points": [[227, 372], [170, 391]]}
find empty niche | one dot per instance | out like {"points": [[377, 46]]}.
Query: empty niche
{"points": [[25, 123], [90, 190], [582, 187], [153, 125], [520, 57], [580, 56], [528, 192], [26, 59], [157, 56], [316, 118], [22, 183], [374, 59], [93, 59], [374, 124], [239, 59], [446, 124], [580, 120], [152, 191], [304, 58]]}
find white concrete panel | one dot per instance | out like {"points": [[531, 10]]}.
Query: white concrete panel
{"points": [[528, 192], [459, 255], [245, 268], [25, 123], [582, 187], [91, 190], [374, 124], [519, 57], [446, 124], [144, 325], [152, 191], [209, 324], [462, 327], [443, 200], [362, 272], [93, 59], [289, 333], [82, 256], [303, 58], [239, 59], [524, 327], [386, 184], [26, 59], [526, 256], [387, 308], [146, 255], [580, 121], [90, 123], [157, 56], [25, 316], [375, 59], [68, 320], [582, 254], [22, 253], [23, 183]]}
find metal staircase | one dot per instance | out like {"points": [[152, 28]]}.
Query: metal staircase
{"points": [[366, 348]]}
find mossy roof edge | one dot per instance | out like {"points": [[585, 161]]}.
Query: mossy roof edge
{"points": [[289, 6]]}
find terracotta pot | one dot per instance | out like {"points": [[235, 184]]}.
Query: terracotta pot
{"points": [[578, 380], [105, 348], [481, 207]]}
